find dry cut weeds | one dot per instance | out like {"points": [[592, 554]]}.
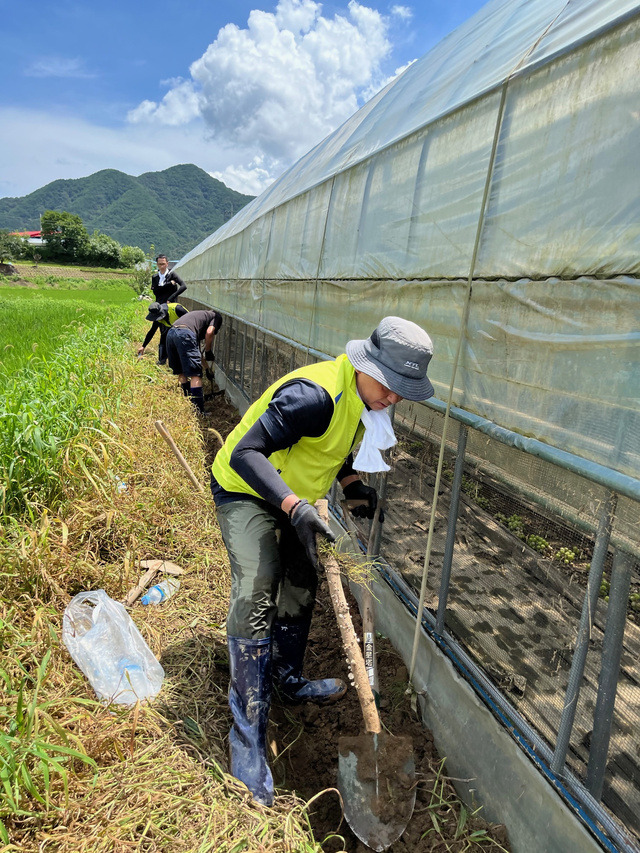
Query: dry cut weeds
{"points": [[81, 777]]}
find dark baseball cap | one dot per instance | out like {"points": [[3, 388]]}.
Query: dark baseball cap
{"points": [[157, 311]]}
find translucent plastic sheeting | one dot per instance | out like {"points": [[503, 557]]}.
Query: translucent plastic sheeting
{"points": [[365, 226], [556, 360], [501, 39], [565, 193]]}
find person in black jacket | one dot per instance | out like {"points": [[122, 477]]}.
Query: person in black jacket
{"points": [[166, 286]]}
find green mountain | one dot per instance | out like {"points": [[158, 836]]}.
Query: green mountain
{"points": [[173, 210]]}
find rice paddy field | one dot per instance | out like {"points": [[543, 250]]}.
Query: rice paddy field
{"points": [[87, 491]]}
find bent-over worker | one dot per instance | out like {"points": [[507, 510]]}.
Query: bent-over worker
{"points": [[282, 457], [162, 316], [183, 350]]}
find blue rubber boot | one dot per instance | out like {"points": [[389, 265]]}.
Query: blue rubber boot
{"points": [[249, 700], [289, 641]]}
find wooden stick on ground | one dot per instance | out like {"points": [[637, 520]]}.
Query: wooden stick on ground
{"points": [[152, 567], [165, 434], [348, 634]]}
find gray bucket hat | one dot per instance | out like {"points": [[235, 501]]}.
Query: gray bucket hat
{"points": [[397, 354], [157, 311]]}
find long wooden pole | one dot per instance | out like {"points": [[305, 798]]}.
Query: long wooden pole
{"points": [[165, 434], [348, 634]]}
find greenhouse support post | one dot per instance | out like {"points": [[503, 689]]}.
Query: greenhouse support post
{"points": [[381, 485], [608, 681], [263, 372], [253, 363], [236, 347], [376, 533], [447, 559], [584, 633], [242, 358]]}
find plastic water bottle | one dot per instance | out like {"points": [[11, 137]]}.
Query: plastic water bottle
{"points": [[161, 591]]}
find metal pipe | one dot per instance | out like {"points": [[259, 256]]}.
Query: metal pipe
{"points": [[608, 477], [587, 618], [452, 522], [242, 358], [253, 363], [608, 682], [264, 359], [524, 734], [375, 533], [236, 348]]}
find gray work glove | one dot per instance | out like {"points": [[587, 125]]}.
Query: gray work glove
{"points": [[358, 491], [306, 522]]}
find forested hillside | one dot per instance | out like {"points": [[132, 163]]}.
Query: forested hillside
{"points": [[173, 209]]}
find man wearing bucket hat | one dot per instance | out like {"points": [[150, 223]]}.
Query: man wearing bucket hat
{"points": [[162, 316], [282, 456]]}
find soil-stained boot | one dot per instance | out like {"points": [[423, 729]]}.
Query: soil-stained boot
{"points": [[289, 641], [249, 700]]}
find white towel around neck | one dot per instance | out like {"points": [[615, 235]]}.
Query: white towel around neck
{"points": [[378, 435]]}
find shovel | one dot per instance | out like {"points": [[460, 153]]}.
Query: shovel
{"points": [[375, 770]]}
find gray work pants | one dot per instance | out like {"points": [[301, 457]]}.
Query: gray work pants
{"points": [[271, 576]]}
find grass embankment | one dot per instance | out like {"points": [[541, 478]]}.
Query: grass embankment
{"points": [[75, 776]]}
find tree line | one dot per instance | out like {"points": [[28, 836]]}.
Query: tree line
{"points": [[66, 240]]}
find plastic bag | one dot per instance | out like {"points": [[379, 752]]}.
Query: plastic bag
{"points": [[104, 642]]}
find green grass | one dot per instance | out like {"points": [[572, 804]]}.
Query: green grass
{"points": [[61, 388], [49, 281], [34, 748], [36, 322]]}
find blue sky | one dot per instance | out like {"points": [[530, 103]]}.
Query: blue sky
{"points": [[241, 89]]}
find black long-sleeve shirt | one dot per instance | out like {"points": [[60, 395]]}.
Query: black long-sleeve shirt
{"points": [[170, 289], [297, 409]]}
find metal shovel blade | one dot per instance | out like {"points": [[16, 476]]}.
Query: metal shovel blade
{"points": [[376, 775]]}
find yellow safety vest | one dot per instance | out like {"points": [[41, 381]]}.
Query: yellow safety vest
{"points": [[309, 466], [173, 314]]}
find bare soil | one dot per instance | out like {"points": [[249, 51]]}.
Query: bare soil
{"points": [[304, 739]]}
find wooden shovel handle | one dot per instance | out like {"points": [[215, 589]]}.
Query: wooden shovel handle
{"points": [[348, 634], [165, 434], [366, 599]]}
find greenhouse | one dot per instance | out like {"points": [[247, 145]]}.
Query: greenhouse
{"points": [[491, 194]]}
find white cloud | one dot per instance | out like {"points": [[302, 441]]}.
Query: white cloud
{"points": [[253, 103], [251, 179], [179, 106], [279, 86], [404, 12], [57, 66]]}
